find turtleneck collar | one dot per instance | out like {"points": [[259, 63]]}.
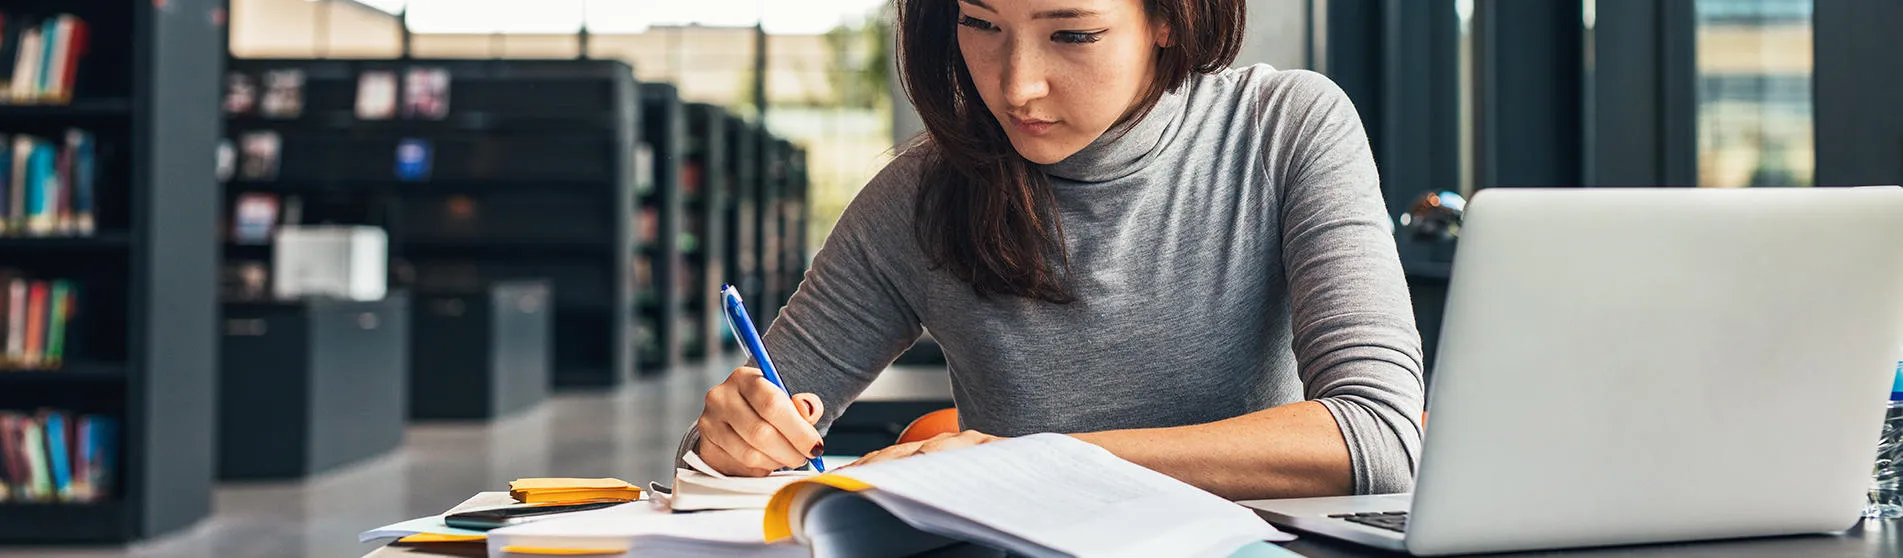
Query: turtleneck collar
{"points": [[1126, 148]]}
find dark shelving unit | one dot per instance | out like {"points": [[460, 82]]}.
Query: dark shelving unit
{"points": [[704, 181], [142, 340], [793, 224], [768, 197], [532, 177], [742, 217], [658, 329]]}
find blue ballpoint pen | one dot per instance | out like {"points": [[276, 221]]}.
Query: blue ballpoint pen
{"points": [[742, 325]]}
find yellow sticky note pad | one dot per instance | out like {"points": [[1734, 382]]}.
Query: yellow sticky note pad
{"points": [[545, 551], [567, 484], [441, 538], [538, 490], [541, 496]]}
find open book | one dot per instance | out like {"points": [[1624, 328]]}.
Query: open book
{"points": [[1040, 495]]}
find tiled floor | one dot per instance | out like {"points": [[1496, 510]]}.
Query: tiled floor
{"points": [[629, 433]]}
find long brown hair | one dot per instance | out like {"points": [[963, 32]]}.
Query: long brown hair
{"points": [[985, 212]]}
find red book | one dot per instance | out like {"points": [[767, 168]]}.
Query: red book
{"points": [[69, 68], [35, 323], [12, 465]]}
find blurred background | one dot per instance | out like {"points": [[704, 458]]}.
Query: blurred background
{"points": [[277, 272]]}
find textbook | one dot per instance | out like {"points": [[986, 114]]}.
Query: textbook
{"points": [[1039, 495]]}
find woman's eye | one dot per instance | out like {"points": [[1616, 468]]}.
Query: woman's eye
{"points": [[1076, 37], [975, 23]]}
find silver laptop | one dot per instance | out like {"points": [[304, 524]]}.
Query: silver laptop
{"points": [[1625, 366]]}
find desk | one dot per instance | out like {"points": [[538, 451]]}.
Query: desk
{"points": [[1872, 539]]}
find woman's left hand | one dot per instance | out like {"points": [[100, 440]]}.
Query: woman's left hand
{"points": [[943, 442]]}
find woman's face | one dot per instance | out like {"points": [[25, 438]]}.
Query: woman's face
{"points": [[1057, 73]]}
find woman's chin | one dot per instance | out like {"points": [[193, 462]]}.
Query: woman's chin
{"points": [[1043, 151]]}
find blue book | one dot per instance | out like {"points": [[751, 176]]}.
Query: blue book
{"points": [[83, 175], [43, 188], [50, 33], [58, 459], [6, 184], [413, 160], [102, 454]]}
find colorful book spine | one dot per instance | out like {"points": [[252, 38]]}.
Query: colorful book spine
{"points": [[22, 151], [12, 475], [84, 176], [42, 189], [25, 72], [58, 459], [63, 190], [39, 479], [16, 321], [83, 453], [7, 184], [102, 454], [60, 307], [81, 42], [43, 80], [35, 324]]}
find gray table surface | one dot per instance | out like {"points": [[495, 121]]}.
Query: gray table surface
{"points": [[1871, 539]]}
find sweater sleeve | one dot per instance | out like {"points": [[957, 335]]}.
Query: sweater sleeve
{"points": [[1355, 341], [853, 313]]}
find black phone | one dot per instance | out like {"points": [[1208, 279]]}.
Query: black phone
{"points": [[483, 520]]}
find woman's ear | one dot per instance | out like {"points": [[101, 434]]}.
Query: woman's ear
{"points": [[1162, 32]]}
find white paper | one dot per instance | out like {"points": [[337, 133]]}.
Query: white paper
{"points": [[649, 530], [1050, 494], [703, 488]]}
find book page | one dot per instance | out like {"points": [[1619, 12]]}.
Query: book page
{"points": [[1050, 494]]}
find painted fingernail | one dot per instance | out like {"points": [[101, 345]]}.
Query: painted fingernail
{"points": [[818, 449]]}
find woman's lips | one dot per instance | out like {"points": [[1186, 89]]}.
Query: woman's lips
{"points": [[1032, 126]]}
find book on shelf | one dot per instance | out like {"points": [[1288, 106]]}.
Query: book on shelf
{"points": [[241, 94], [57, 456], [283, 94], [40, 56], [39, 316], [260, 155], [227, 160], [245, 280], [691, 179], [254, 217], [413, 157], [649, 226], [426, 93], [376, 95], [47, 189]]}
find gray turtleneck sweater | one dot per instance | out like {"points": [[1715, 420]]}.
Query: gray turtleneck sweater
{"points": [[1229, 254]]}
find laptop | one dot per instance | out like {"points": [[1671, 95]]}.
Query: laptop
{"points": [[1629, 366]]}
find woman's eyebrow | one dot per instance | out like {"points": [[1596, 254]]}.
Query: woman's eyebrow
{"points": [[1065, 13]]}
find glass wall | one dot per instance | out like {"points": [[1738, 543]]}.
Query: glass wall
{"points": [[1754, 93]]}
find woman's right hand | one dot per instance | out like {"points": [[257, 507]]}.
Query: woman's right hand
{"points": [[751, 428]]}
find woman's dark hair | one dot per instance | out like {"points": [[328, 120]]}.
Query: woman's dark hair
{"points": [[985, 212]]}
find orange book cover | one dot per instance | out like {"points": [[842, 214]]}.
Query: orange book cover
{"points": [[35, 323]]}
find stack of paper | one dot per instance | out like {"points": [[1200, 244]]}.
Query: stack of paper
{"points": [[640, 530], [1038, 495], [705, 488], [530, 491]]}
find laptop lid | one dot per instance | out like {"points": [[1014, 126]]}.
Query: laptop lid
{"points": [[1642, 365]]}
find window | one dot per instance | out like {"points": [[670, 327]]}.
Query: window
{"points": [[1754, 93]]}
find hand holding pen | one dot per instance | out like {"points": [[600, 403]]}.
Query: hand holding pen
{"points": [[750, 425]]}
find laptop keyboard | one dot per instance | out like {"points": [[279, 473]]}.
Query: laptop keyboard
{"points": [[1392, 521]]}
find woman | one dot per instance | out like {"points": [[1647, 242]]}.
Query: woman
{"points": [[1112, 236]]}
